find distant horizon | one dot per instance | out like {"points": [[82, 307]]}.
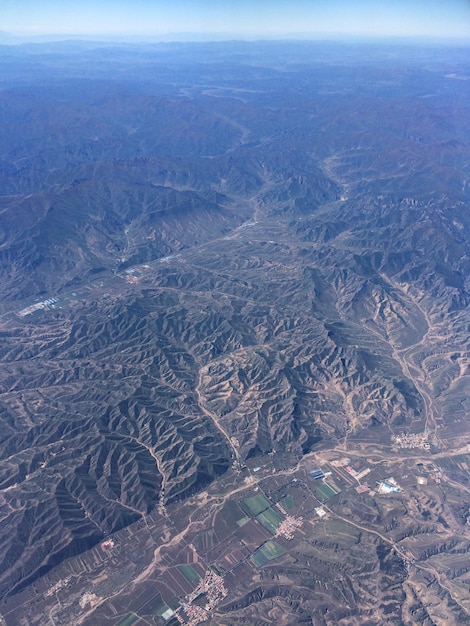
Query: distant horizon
{"points": [[18, 38], [243, 19]]}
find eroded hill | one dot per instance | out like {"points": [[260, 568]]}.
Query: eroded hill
{"points": [[263, 258]]}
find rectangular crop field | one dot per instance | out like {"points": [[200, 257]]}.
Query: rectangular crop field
{"points": [[163, 608], [288, 503], [271, 550], [151, 606], [189, 572], [325, 491], [270, 519], [206, 541], [254, 505]]}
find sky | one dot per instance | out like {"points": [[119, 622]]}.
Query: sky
{"points": [[245, 18]]}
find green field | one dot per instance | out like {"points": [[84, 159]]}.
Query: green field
{"points": [[270, 519], [288, 503], [189, 573], [163, 608], [241, 522], [271, 550], [255, 504], [326, 491]]}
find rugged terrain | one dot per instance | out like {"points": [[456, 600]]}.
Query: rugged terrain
{"points": [[257, 253]]}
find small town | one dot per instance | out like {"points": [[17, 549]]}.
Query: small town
{"points": [[414, 440]]}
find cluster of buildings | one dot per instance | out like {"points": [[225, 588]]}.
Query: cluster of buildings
{"points": [[195, 614], [58, 585], [37, 306], [389, 485], [358, 475], [214, 591], [418, 440], [344, 465], [288, 526], [132, 279]]}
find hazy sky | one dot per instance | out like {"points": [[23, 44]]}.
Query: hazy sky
{"points": [[250, 18]]}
